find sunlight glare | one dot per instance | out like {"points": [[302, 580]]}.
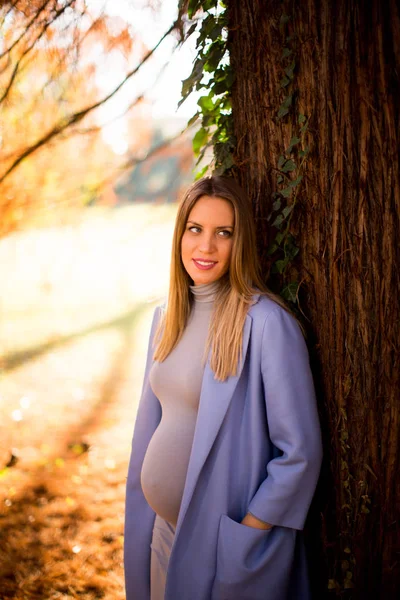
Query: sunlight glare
{"points": [[17, 415]]}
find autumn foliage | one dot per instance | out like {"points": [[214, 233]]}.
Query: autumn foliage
{"points": [[52, 153]]}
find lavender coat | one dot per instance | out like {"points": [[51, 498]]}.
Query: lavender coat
{"points": [[256, 448]]}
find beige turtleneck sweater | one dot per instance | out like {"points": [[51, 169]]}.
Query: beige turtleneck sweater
{"points": [[177, 384]]}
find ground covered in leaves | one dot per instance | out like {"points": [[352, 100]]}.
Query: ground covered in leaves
{"points": [[68, 394]]}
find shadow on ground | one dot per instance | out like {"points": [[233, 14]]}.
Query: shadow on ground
{"points": [[61, 534]]}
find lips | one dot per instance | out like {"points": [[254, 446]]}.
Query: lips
{"points": [[204, 265]]}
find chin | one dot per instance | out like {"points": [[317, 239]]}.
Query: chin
{"points": [[205, 279], [202, 277]]}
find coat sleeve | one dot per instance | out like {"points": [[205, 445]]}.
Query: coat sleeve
{"points": [[139, 517], [284, 497]]}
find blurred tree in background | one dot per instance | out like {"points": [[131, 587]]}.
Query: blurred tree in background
{"points": [[51, 149]]}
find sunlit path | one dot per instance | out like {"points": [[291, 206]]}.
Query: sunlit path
{"points": [[68, 403]]}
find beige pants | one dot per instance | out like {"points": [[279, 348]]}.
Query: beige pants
{"points": [[161, 545]]}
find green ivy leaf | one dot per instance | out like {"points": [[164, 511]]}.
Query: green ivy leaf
{"points": [[202, 152], [219, 88], [205, 30], [289, 292], [226, 164], [281, 161], [282, 112], [195, 77], [219, 74], [227, 104], [293, 142], [287, 210], [191, 29], [272, 248], [287, 101], [295, 182], [199, 139], [230, 77], [276, 243], [193, 7], [276, 205], [290, 69], [207, 4], [289, 166], [201, 173], [206, 104], [290, 249], [214, 55], [208, 120], [284, 82], [284, 107], [281, 265], [286, 52], [278, 221], [215, 32], [286, 192]]}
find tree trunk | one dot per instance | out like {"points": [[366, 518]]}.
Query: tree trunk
{"points": [[346, 223]]}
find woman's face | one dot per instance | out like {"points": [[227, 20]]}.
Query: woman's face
{"points": [[206, 246]]}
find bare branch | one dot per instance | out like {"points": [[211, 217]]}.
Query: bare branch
{"points": [[78, 116], [131, 73], [64, 58], [131, 105], [26, 29], [30, 48], [97, 128], [138, 160], [10, 8], [7, 65]]}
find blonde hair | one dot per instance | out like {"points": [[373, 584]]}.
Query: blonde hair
{"points": [[237, 286]]}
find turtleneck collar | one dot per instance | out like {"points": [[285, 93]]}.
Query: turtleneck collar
{"points": [[206, 292]]}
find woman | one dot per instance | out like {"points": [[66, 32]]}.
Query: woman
{"points": [[227, 448]]}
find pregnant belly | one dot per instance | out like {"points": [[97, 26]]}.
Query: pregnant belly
{"points": [[165, 466]]}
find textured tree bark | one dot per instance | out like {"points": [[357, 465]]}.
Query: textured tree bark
{"points": [[346, 223]]}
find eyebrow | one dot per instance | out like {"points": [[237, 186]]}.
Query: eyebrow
{"points": [[219, 226]]}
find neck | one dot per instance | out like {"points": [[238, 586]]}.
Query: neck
{"points": [[205, 292]]}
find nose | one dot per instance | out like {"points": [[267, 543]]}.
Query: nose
{"points": [[207, 243]]}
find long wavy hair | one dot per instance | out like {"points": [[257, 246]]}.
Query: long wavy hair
{"points": [[237, 286]]}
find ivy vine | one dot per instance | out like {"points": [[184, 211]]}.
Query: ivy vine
{"points": [[290, 166], [213, 73]]}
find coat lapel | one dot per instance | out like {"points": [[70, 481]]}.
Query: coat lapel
{"points": [[215, 398]]}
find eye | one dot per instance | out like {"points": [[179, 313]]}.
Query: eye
{"points": [[226, 233], [193, 229]]}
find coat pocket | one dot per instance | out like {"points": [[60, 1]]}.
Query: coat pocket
{"points": [[253, 564]]}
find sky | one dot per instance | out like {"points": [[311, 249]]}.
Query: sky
{"points": [[163, 91]]}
